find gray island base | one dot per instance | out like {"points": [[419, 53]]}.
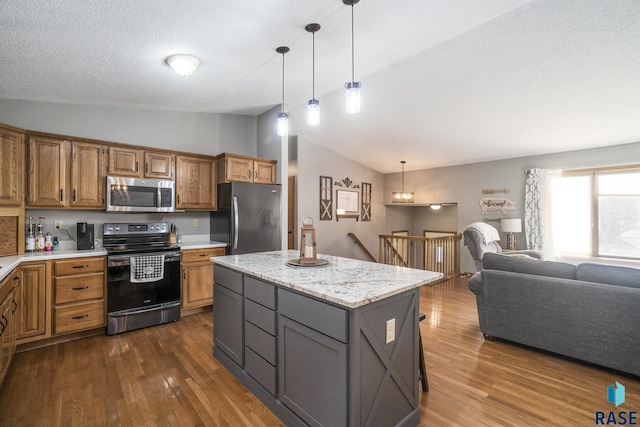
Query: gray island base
{"points": [[327, 346]]}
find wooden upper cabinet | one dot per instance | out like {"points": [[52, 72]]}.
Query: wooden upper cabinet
{"points": [[87, 175], [47, 172], [65, 173], [195, 183], [140, 163], [238, 168], [11, 167], [158, 165], [264, 171], [125, 161]]}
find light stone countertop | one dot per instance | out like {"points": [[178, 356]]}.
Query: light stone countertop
{"points": [[347, 282], [8, 263]]}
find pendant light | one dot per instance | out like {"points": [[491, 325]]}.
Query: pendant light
{"points": [[402, 196], [283, 118], [313, 106], [353, 87]]}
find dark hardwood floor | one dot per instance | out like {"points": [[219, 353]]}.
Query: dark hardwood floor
{"points": [[166, 376]]}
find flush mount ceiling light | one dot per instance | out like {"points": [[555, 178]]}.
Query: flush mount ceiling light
{"points": [[313, 106], [402, 196], [283, 118], [353, 87], [184, 65]]}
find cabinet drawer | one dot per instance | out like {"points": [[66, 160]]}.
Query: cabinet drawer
{"points": [[198, 255], [260, 316], [261, 371], [76, 317], [260, 342], [78, 288], [261, 292], [78, 266], [322, 317], [230, 279]]}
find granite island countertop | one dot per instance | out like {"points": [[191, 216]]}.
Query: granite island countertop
{"points": [[347, 282]]}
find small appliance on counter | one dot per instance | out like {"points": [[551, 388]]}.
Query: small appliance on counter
{"points": [[86, 236]]}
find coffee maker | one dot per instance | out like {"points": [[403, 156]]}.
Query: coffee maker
{"points": [[86, 236]]}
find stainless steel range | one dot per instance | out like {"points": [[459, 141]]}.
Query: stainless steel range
{"points": [[143, 276]]}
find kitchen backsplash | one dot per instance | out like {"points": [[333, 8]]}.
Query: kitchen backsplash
{"points": [[185, 221]]}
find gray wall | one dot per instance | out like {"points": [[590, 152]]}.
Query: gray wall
{"points": [[331, 236], [464, 184], [202, 133]]}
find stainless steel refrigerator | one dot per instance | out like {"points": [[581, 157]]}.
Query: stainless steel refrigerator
{"points": [[248, 217]]}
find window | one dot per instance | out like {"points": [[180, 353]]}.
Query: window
{"points": [[597, 213]]}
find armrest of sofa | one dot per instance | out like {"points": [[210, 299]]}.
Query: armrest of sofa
{"points": [[475, 283]]}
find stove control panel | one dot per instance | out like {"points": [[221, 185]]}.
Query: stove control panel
{"points": [[135, 228]]}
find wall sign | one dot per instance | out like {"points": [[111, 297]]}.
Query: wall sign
{"points": [[490, 204]]}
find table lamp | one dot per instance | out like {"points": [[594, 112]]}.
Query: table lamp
{"points": [[510, 226]]}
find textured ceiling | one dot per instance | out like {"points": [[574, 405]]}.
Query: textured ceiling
{"points": [[444, 82]]}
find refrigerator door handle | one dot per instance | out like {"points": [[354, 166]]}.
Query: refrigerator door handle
{"points": [[235, 223]]}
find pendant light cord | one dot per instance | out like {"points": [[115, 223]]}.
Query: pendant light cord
{"points": [[353, 66], [313, 66], [283, 82]]}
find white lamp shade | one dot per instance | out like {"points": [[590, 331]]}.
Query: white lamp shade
{"points": [[511, 225], [353, 97], [184, 65], [313, 112], [283, 124]]}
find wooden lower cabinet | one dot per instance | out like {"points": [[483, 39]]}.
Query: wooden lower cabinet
{"points": [[32, 307], [9, 287], [79, 286], [197, 276]]}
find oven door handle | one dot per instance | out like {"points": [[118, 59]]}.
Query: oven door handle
{"points": [[124, 260], [235, 223]]}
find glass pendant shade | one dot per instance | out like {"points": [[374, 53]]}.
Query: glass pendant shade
{"points": [[353, 97], [313, 112], [283, 124]]}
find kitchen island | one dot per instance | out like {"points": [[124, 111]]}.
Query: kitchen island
{"points": [[333, 345]]}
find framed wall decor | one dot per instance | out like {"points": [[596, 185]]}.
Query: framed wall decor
{"points": [[347, 201], [326, 198], [366, 201]]}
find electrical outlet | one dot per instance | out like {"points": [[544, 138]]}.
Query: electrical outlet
{"points": [[57, 224], [195, 223], [391, 330]]}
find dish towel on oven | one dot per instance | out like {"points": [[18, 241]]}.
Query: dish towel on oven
{"points": [[148, 268]]}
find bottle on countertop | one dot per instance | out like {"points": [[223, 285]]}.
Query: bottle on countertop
{"points": [[48, 242], [40, 235], [56, 244], [31, 238]]}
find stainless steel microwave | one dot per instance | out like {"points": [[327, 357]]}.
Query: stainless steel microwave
{"points": [[140, 194]]}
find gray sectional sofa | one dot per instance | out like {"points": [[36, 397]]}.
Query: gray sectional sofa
{"points": [[589, 312]]}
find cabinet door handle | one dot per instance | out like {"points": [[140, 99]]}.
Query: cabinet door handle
{"points": [[80, 266], [61, 194], [17, 279], [74, 194], [184, 274], [248, 174], [136, 166], [80, 288], [146, 168], [15, 306], [3, 325], [82, 316], [203, 255]]}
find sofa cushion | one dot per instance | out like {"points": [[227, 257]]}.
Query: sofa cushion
{"points": [[609, 274], [529, 266]]}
